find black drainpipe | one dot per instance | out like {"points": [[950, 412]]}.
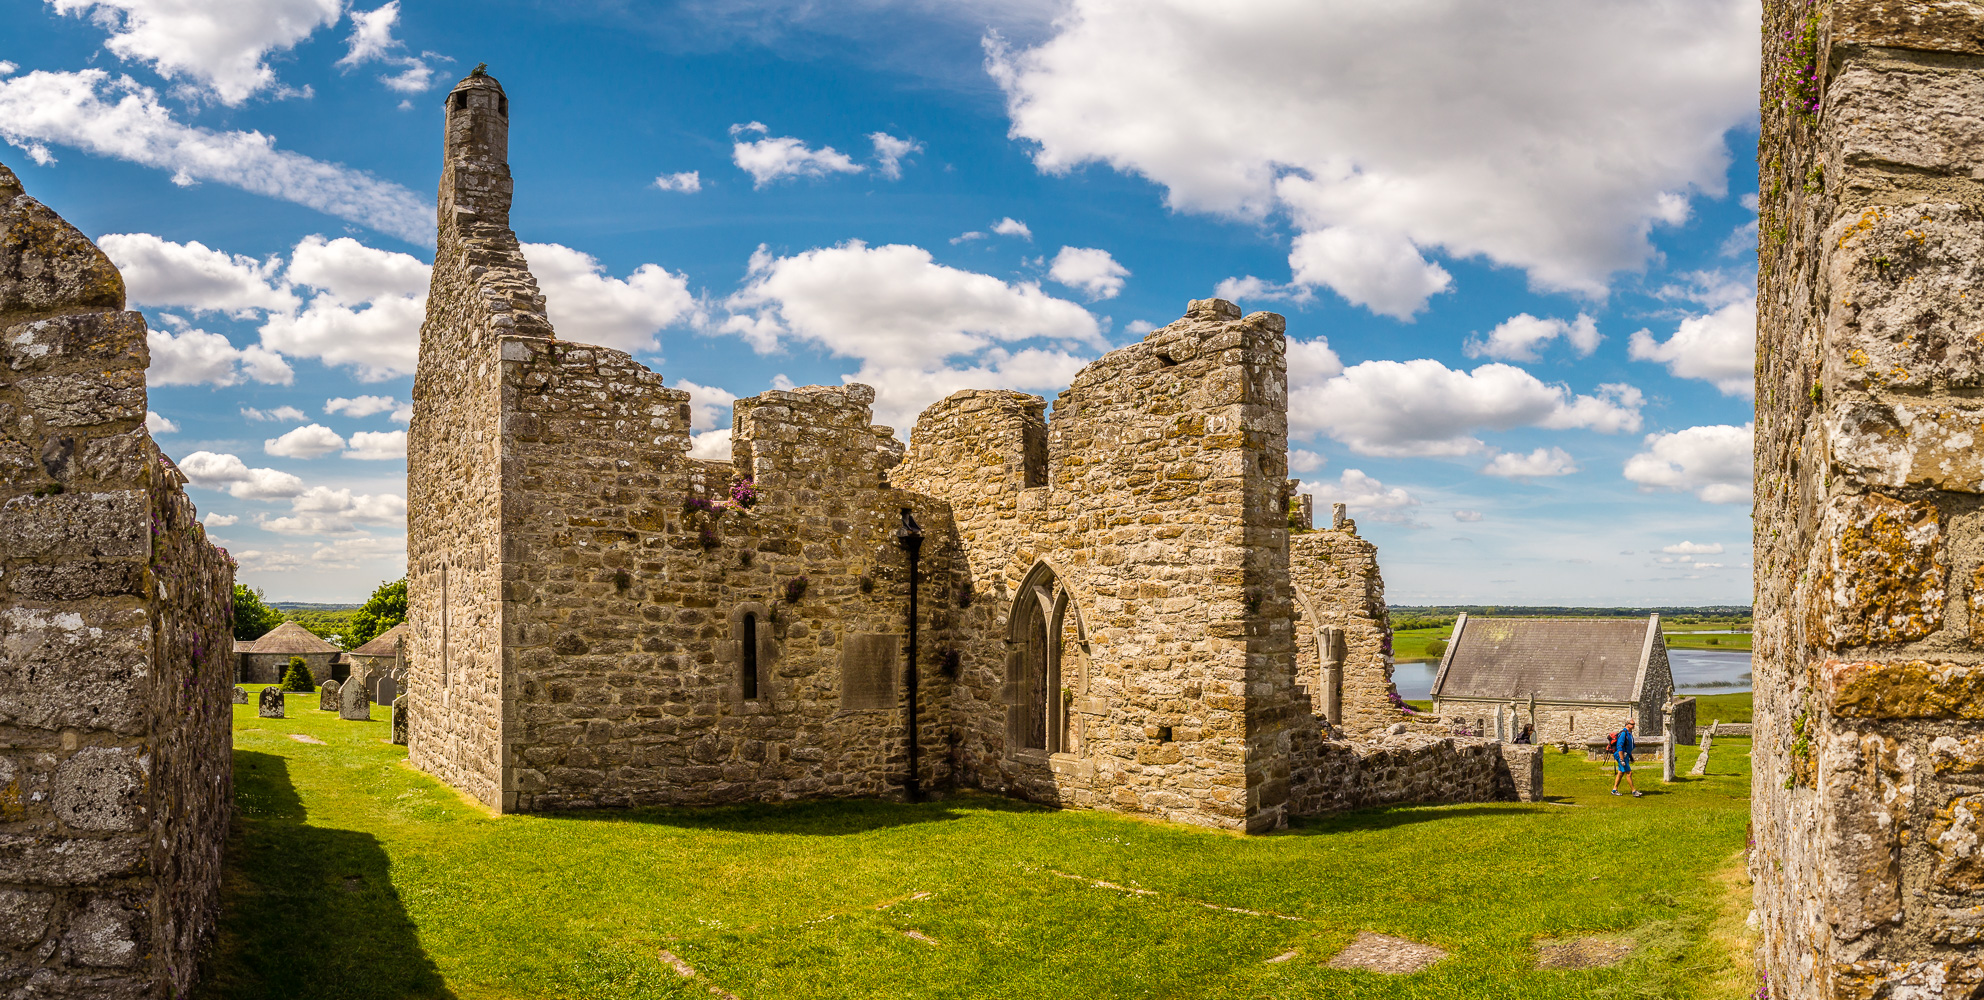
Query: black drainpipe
{"points": [[910, 537]]}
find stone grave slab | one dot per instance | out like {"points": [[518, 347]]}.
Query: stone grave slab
{"points": [[271, 706]]}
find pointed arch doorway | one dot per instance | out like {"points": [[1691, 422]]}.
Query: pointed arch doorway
{"points": [[1037, 714]]}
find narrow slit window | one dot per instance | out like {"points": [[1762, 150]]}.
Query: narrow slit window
{"points": [[750, 644], [444, 625]]}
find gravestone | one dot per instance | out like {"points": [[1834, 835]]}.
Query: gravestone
{"points": [[327, 696], [352, 703], [240, 696], [272, 702], [399, 720], [387, 690]]}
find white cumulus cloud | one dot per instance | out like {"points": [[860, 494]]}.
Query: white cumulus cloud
{"points": [[1539, 463], [365, 313], [889, 153], [713, 445], [1010, 226], [359, 406], [321, 510], [308, 441], [159, 425], [589, 306], [221, 471], [159, 272], [1545, 135], [1367, 497], [774, 158], [121, 119], [1719, 348], [1519, 337], [903, 391], [372, 41], [218, 520], [1090, 271], [219, 44], [687, 182], [1693, 549], [378, 446], [708, 405], [1422, 407], [197, 357], [895, 305], [1713, 462]]}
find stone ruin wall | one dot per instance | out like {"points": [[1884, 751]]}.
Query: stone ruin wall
{"points": [[481, 290], [625, 602], [1336, 775], [1159, 503], [1337, 581], [1869, 531], [116, 652]]}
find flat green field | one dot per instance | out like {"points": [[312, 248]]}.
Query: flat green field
{"points": [[352, 876], [1410, 644]]}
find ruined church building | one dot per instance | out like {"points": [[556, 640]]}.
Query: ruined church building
{"points": [[1106, 610]]}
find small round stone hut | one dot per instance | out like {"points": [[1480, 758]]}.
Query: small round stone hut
{"points": [[266, 658]]}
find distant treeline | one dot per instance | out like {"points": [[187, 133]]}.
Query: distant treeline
{"points": [[1435, 616]]}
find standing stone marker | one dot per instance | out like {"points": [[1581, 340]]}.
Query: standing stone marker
{"points": [[387, 691], [399, 720], [327, 697], [240, 696], [352, 703], [272, 702]]}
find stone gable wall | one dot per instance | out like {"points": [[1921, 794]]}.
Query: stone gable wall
{"points": [[116, 652], [1869, 530], [1337, 573]]}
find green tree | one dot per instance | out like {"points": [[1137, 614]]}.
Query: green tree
{"points": [[297, 677], [252, 618], [385, 609], [1437, 647]]}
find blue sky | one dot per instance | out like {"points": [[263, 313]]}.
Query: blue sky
{"points": [[1515, 243]]}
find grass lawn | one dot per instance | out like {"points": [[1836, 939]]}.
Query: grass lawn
{"points": [[1410, 644], [352, 876]]}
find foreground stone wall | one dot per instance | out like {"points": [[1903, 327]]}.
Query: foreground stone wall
{"points": [[1869, 734], [116, 652], [1337, 581]]}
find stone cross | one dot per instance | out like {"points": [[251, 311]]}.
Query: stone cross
{"points": [[399, 720], [240, 695], [271, 707], [352, 703], [327, 696]]}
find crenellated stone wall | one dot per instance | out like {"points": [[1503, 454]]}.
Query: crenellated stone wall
{"points": [[116, 648], [1869, 733]]}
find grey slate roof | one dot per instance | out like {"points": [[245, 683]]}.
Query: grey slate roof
{"points": [[1559, 659]]}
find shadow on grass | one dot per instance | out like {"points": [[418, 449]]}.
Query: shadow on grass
{"points": [[307, 912], [813, 818], [1385, 818]]}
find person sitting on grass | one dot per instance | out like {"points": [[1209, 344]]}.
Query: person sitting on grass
{"points": [[1622, 752]]}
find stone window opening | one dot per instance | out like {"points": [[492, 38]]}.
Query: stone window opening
{"points": [[752, 654], [1037, 712], [460, 100], [748, 678], [503, 105]]}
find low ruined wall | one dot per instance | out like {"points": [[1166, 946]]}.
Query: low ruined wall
{"points": [[116, 653], [1337, 584], [1335, 775]]}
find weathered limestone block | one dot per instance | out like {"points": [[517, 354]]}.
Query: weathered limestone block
{"points": [[240, 696], [327, 696], [271, 703], [45, 264], [1905, 319], [1929, 25], [399, 720], [1881, 571], [1903, 689]]}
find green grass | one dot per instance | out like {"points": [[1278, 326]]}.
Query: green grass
{"points": [[352, 876], [1410, 644]]}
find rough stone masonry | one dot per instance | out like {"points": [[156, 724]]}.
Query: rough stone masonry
{"points": [[1869, 755], [116, 651], [1096, 611]]}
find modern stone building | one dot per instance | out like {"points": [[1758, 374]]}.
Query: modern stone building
{"points": [[115, 644], [1097, 611], [265, 659], [1574, 679], [1869, 734]]}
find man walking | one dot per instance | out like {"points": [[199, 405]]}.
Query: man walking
{"points": [[1622, 753]]}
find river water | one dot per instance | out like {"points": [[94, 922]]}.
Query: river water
{"points": [[1694, 670]]}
